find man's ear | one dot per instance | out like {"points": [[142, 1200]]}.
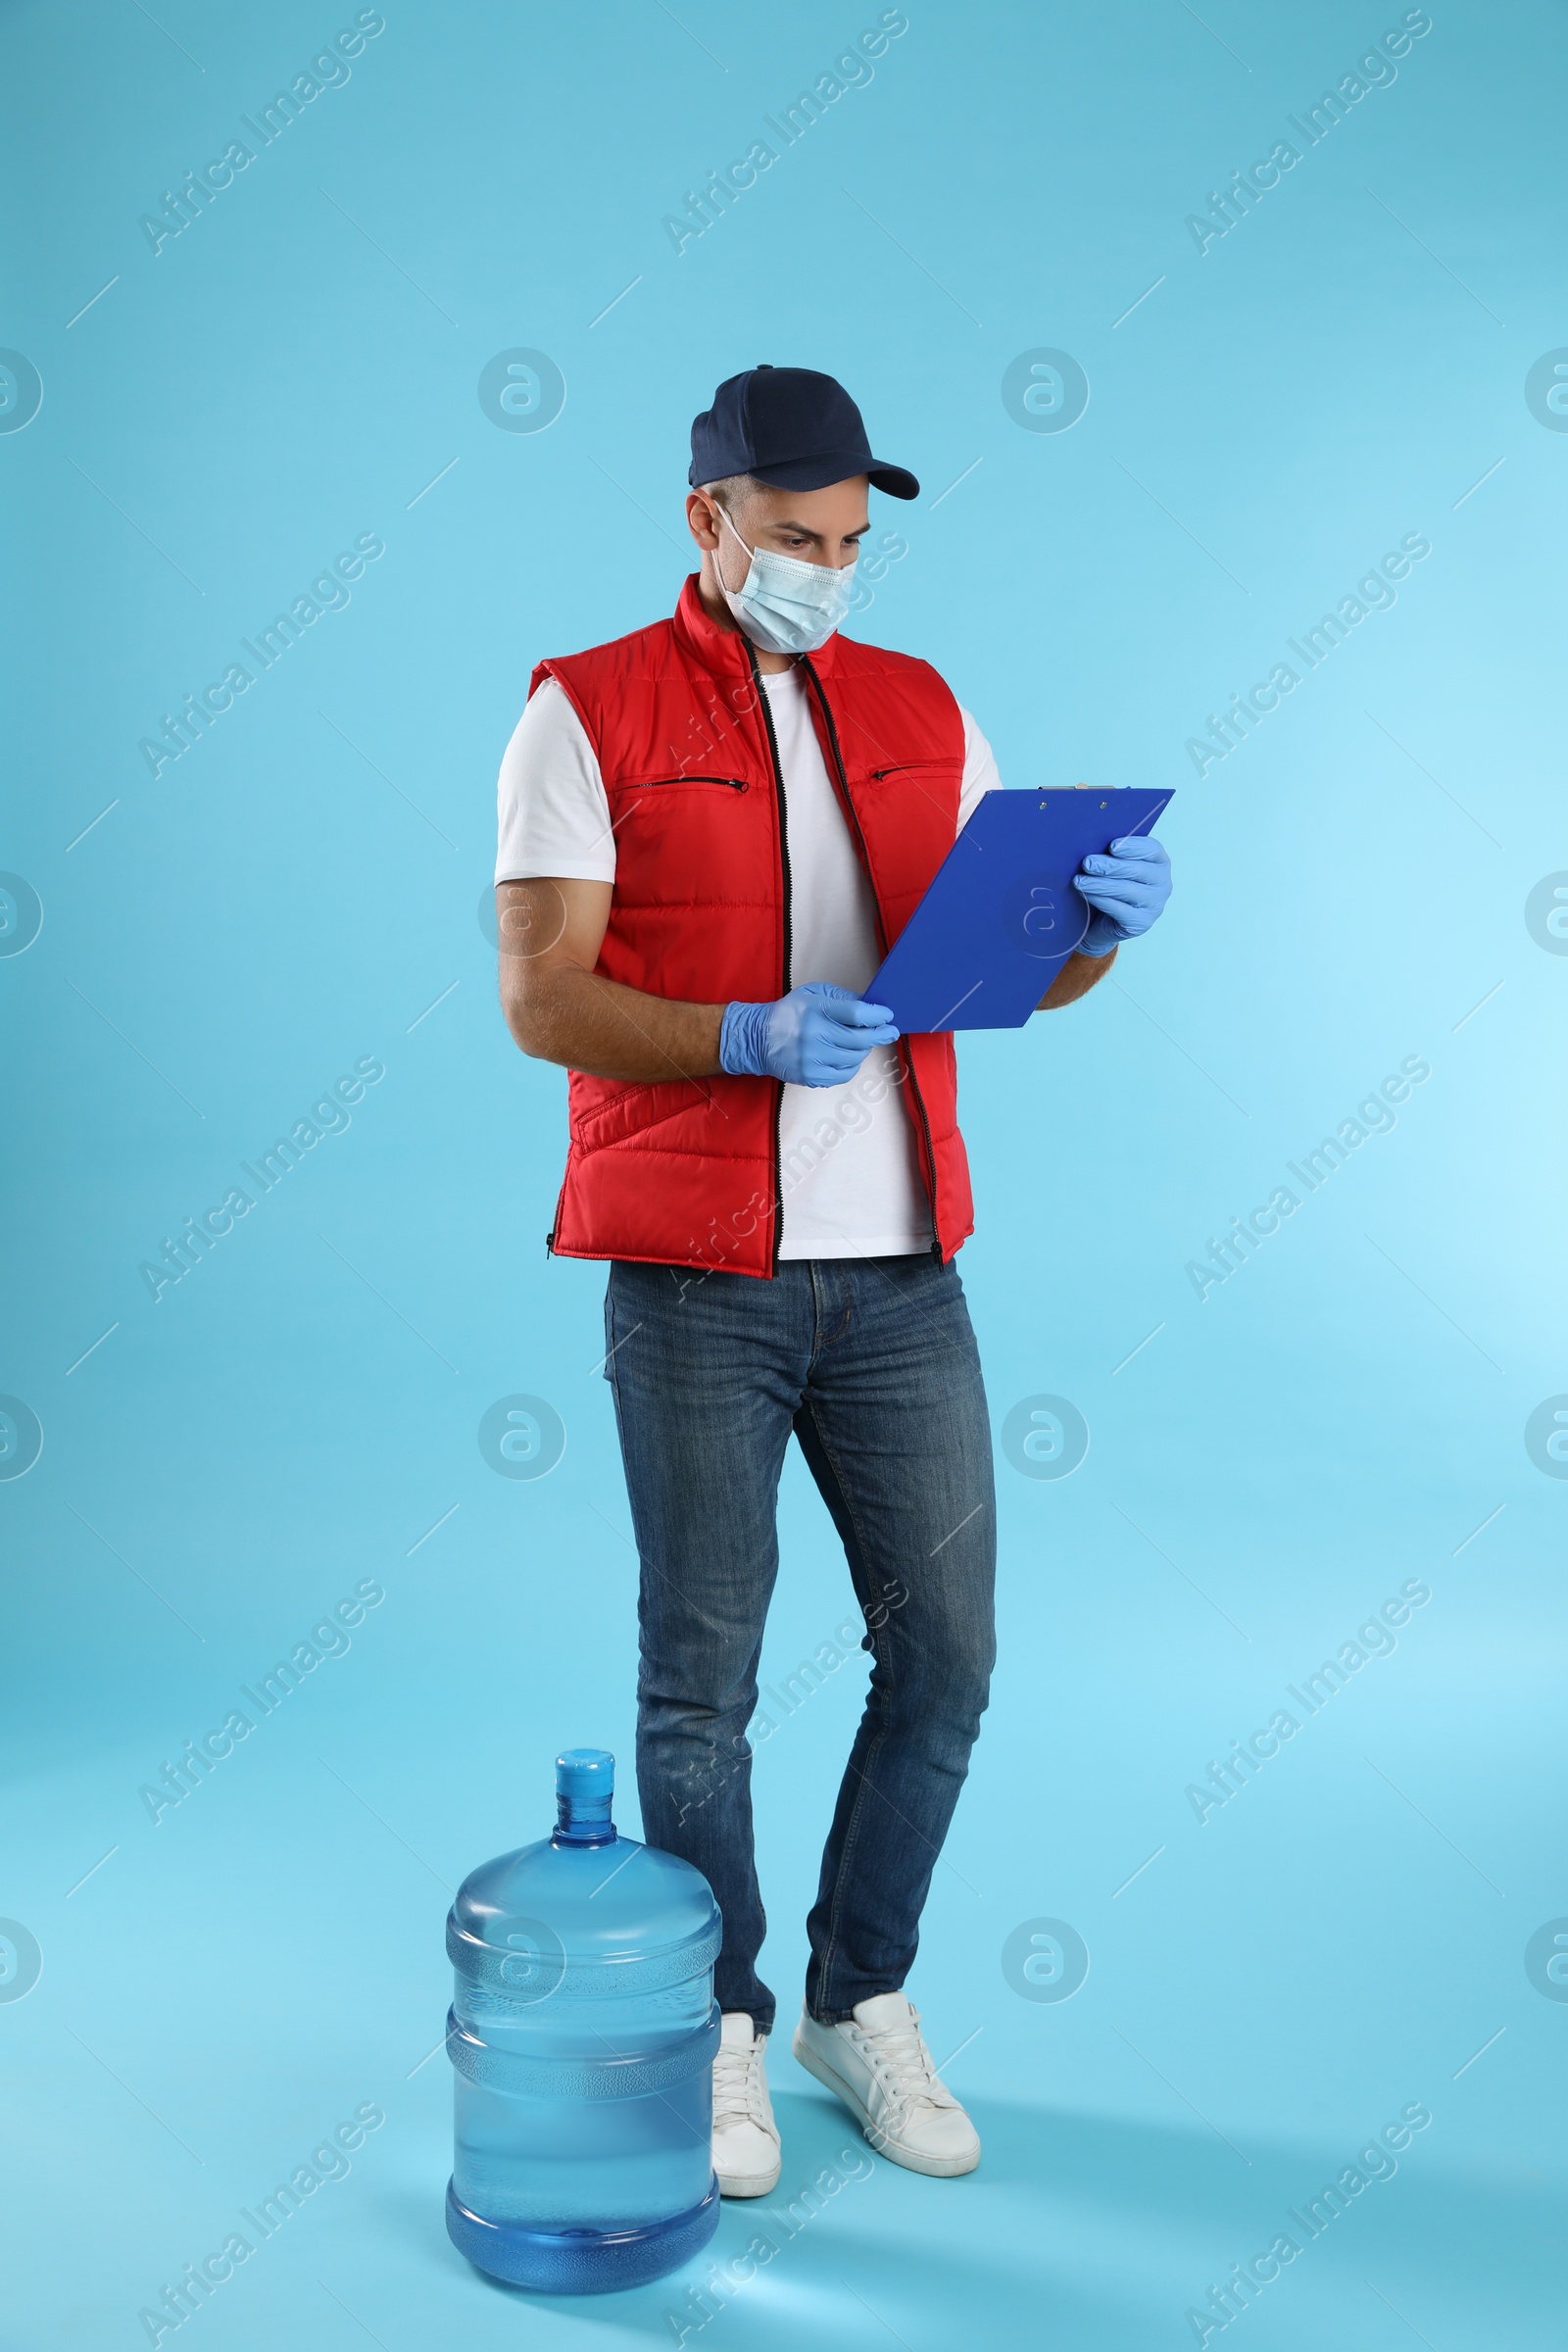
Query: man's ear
{"points": [[702, 521]]}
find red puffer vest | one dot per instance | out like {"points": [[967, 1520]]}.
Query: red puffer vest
{"points": [[685, 1172]]}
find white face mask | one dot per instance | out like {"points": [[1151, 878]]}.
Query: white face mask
{"points": [[785, 606]]}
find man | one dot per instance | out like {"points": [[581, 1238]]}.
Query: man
{"points": [[710, 831]]}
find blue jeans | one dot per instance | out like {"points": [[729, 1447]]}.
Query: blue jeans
{"points": [[872, 1363]]}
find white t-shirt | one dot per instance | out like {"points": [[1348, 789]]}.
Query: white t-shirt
{"points": [[849, 1177]]}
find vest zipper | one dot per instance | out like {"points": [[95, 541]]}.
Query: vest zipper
{"points": [[907, 1058], [789, 945]]}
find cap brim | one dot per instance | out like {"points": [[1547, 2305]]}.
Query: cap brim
{"points": [[837, 466]]}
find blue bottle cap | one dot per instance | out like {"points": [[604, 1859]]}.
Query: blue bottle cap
{"points": [[587, 1774]]}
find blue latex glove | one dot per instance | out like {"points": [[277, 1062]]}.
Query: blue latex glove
{"points": [[1127, 888], [818, 1035]]}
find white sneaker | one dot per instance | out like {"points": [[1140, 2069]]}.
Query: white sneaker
{"points": [[877, 2063], [746, 2151]]}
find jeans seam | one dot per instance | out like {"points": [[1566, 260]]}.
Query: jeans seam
{"points": [[610, 1343], [878, 1736]]}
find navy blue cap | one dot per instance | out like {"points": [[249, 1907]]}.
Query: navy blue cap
{"points": [[791, 429]]}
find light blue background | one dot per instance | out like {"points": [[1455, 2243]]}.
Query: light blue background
{"points": [[299, 891]]}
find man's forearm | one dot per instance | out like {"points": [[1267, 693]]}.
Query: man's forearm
{"points": [[576, 1017], [598, 1026], [1077, 976]]}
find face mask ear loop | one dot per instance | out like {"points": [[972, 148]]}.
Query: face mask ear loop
{"points": [[748, 552]]}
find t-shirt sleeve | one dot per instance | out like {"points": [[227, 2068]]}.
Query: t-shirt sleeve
{"points": [[979, 769], [554, 818]]}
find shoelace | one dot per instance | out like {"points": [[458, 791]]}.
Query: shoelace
{"points": [[903, 2065], [735, 2089]]}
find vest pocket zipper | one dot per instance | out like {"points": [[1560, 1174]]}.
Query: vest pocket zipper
{"points": [[662, 783]]}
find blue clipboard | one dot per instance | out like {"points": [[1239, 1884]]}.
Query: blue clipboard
{"points": [[1001, 917]]}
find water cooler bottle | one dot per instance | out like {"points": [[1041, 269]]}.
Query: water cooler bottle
{"points": [[583, 2029]]}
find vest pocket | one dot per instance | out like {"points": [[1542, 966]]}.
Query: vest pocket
{"points": [[917, 768], [676, 783], [624, 1113]]}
